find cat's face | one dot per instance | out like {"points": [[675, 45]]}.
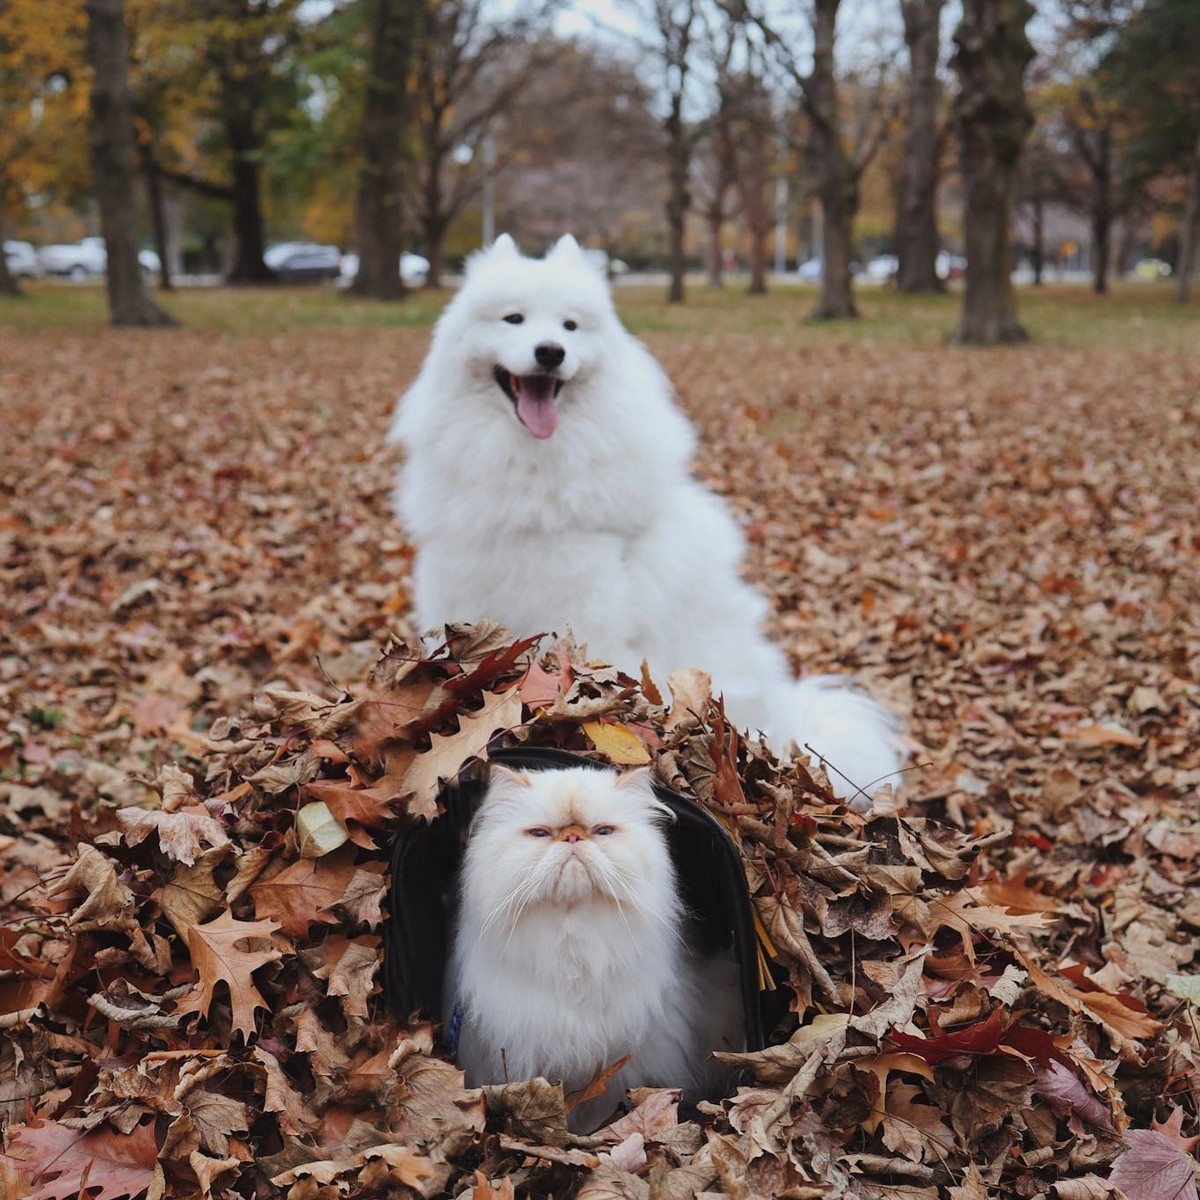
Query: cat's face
{"points": [[567, 837]]}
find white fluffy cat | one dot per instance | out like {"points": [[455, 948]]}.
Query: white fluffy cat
{"points": [[568, 951], [548, 486]]}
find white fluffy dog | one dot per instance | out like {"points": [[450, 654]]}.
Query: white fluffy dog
{"points": [[547, 486]]}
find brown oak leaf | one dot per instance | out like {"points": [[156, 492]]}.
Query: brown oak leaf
{"points": [[218, 954]]}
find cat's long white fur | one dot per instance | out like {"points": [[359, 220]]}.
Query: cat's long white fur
{"points": [[561, 969]]}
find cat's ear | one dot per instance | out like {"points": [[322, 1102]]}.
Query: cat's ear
{"points": [[504, 781], [641, 780]]}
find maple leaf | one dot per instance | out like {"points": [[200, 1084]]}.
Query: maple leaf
{"points": [[217, 956], [66, 1163], [1154, 1168], [976, 1040]]}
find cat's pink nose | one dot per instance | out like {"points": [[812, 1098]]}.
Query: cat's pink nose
{"points": [[573, 837], [572, 833]]}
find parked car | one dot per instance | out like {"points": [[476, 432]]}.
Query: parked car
{"points": [[882, 268], [76, 260], [87, 257], [1151, 268], [950, 266], [810, 271], [302, 262], [414, 269], [22, 260]]}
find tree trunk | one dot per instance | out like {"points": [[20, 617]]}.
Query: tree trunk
{"points": [[433, 225], [678, 197], [1038, 252], [716, 256], [758, 261], [752, 166], [1191, 229], [916, 217], [154, 200], [111, 141], [1102, 210], [8, 285], [837, 184], [245, 141], [993, 118], [393, 26]]}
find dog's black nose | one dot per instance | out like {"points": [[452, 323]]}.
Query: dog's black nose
{"points": [[549, 355]]}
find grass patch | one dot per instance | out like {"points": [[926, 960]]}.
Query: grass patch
{"points": [[1134, 314]]}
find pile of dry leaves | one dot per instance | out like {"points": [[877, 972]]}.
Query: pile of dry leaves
{"points": [[193, 1007], [994, 983]]}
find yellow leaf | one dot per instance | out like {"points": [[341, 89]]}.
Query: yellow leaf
{"points": [[618, 743]]}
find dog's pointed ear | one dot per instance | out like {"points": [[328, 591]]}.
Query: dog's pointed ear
{"points": [[565, 247], [504, 245]]}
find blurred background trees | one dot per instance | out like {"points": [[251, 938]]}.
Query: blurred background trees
{"points": [[848, 140]]}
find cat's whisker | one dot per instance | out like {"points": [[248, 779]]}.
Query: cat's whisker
{"points": [[516, 901], [536, 878], [615, 878]]}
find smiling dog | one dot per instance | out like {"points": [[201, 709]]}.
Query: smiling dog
{"points": [[547, 485]]}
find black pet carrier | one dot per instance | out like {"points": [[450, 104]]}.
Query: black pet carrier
{"points": [[424, 872]]}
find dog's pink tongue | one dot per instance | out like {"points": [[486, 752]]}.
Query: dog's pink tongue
{"points": [[535, 404]]}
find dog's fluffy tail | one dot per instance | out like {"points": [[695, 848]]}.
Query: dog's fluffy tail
{"points": [[856, 738]]}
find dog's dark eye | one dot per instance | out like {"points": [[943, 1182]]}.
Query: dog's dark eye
{"points": [[570, 326], [514, 318]]}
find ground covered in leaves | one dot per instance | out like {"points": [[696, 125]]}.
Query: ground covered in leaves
{"points": [[213, 719]]}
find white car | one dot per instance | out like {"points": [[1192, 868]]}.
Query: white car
{"points": [[882, 268], [22, 260], [87, 257], [76, 260], [810, 271], [414, 269]]}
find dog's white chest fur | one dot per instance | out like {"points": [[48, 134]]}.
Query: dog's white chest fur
{"points": [[555, 497]]}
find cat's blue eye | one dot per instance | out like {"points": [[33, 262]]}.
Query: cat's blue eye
{"points": [[514, 318], [604, 830], [538, 831]]}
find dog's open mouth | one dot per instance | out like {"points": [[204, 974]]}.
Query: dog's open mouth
{"points": [[533, 398]]}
